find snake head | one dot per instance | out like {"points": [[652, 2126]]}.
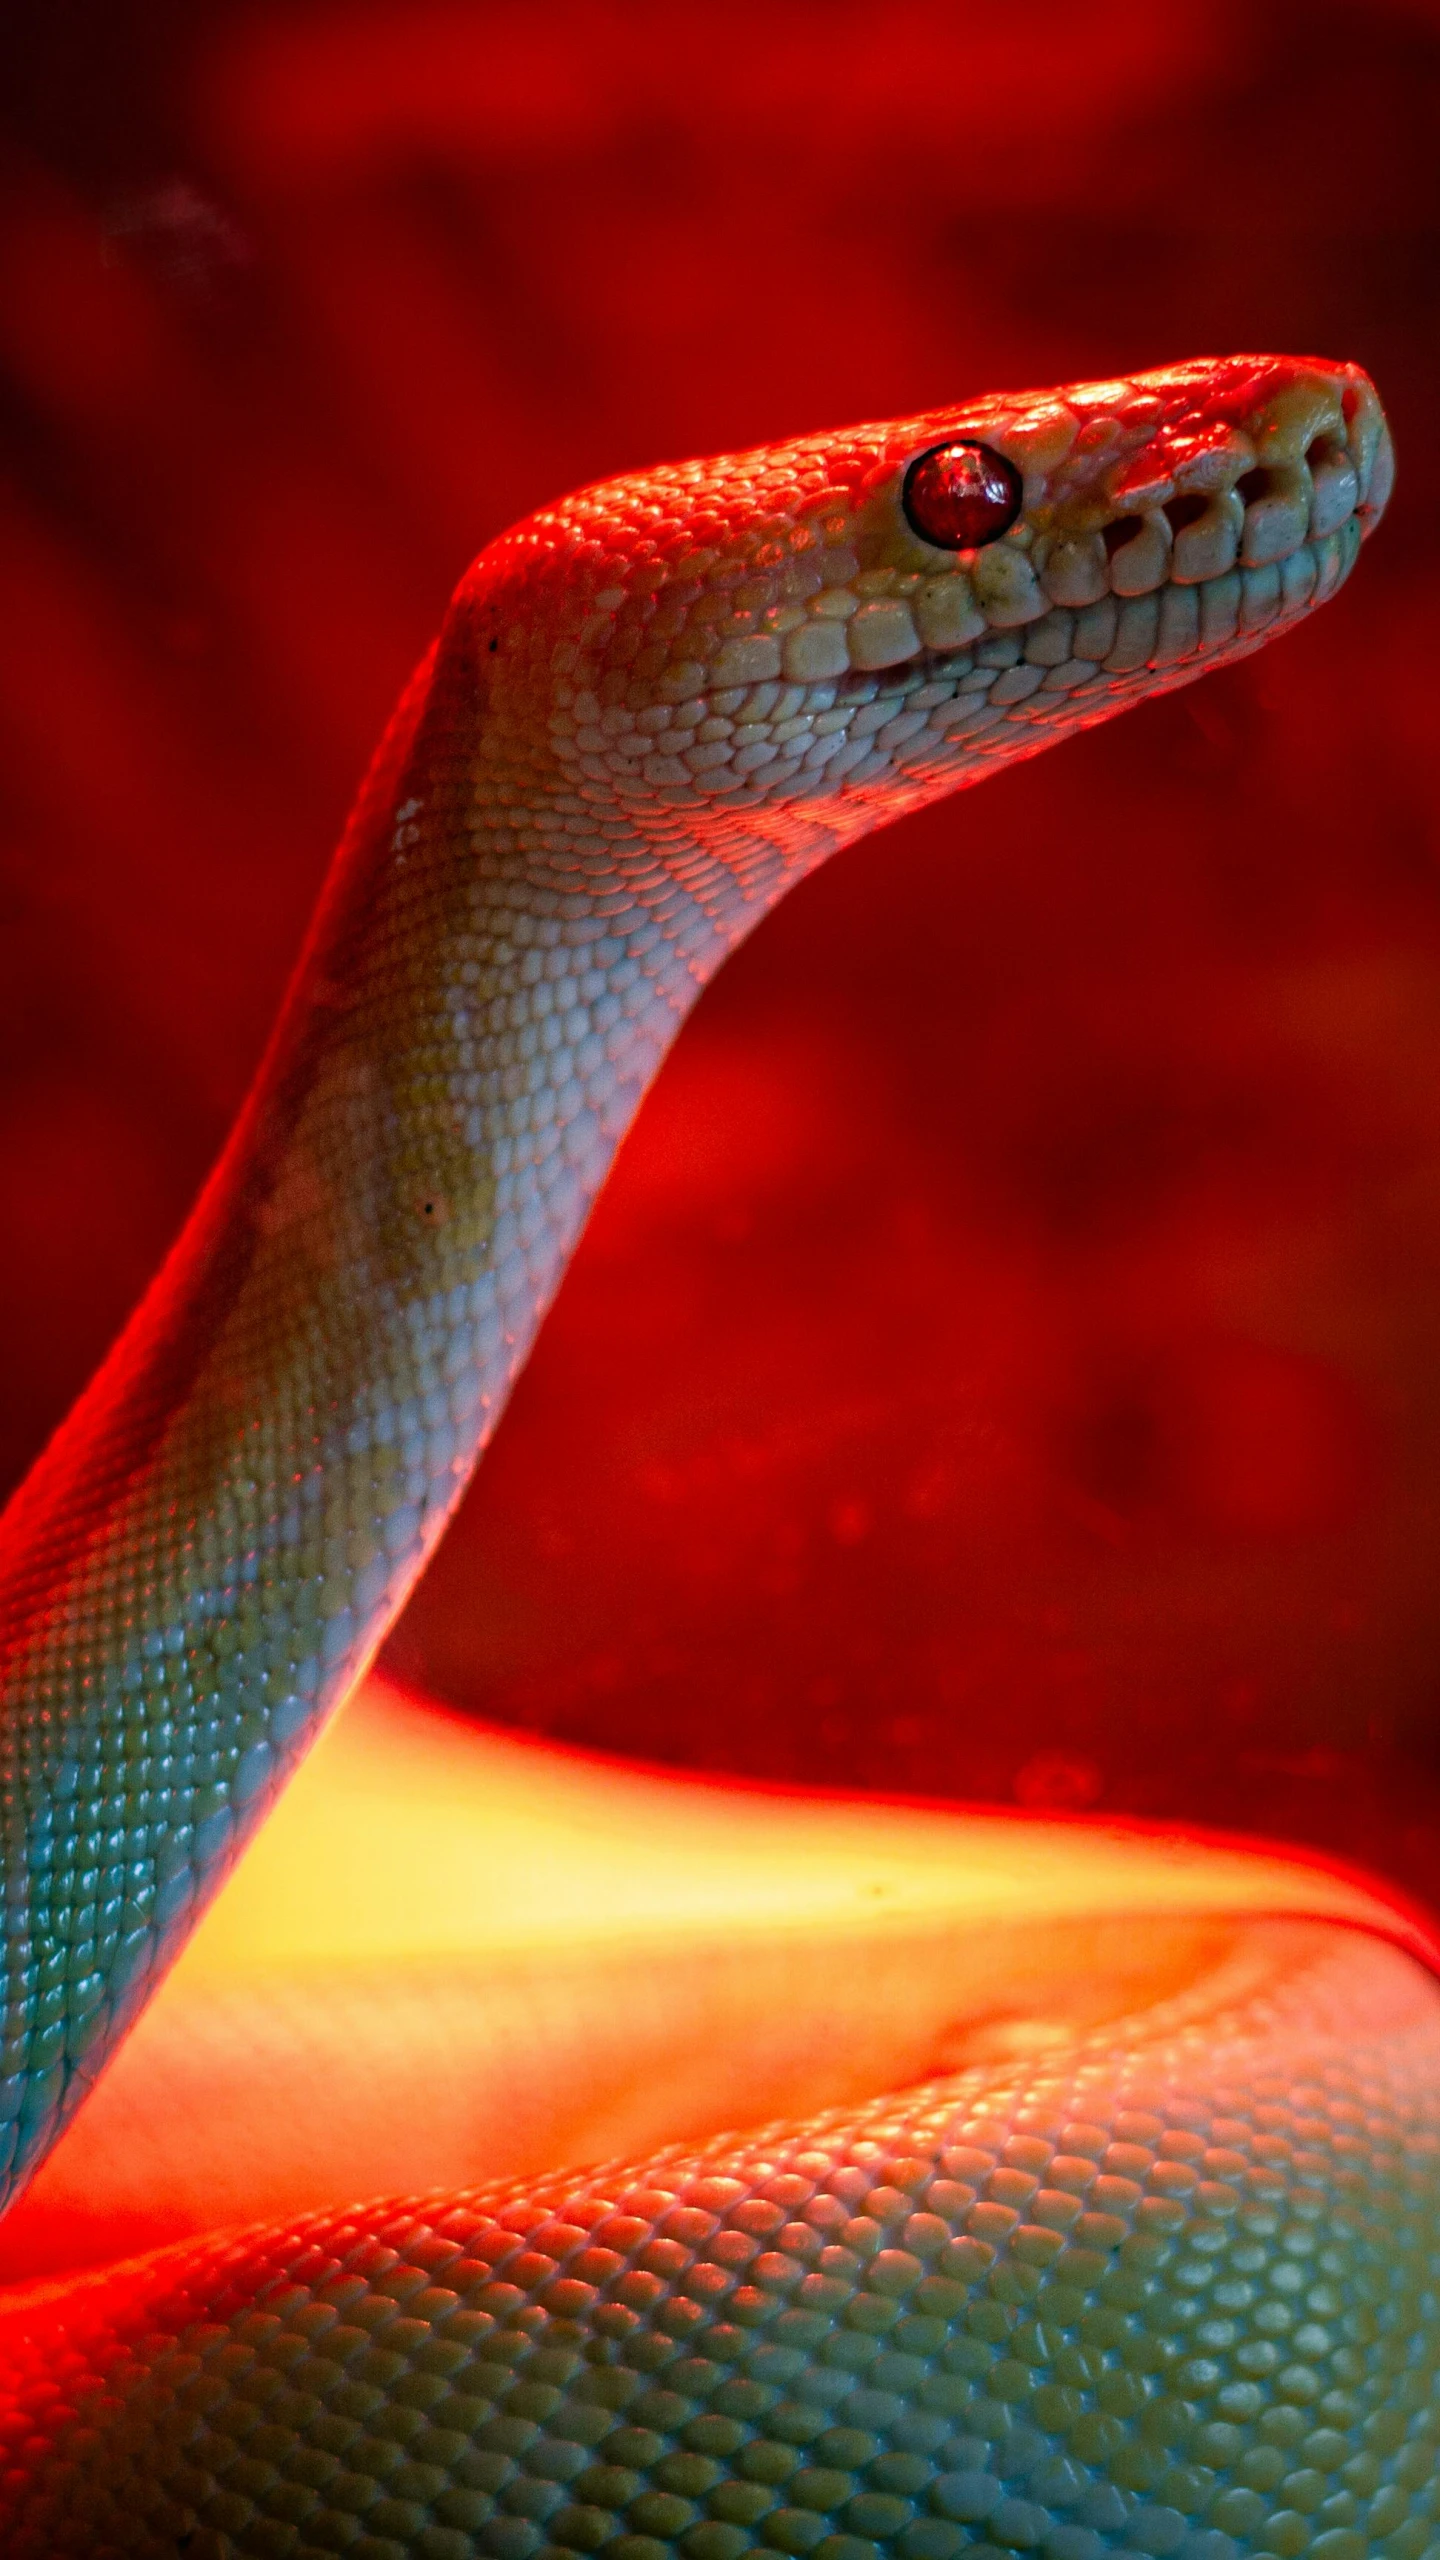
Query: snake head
{"points": [[803, 633]]}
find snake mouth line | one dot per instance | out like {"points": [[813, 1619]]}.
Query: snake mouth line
{"points": [[1052, 661], [1069, 665]]}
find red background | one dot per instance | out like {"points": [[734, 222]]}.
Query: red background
{"points": [[1004, 1363]]}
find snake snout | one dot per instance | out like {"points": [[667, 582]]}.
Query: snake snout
{"points": [[1198, 507], [1280, 474]]}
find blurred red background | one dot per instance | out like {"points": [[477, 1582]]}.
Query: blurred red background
{"points": [[1004, 1363]]}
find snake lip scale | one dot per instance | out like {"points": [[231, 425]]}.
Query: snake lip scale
{"points": [[1162, 2285]]}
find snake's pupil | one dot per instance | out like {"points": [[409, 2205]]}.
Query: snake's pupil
{"points": [[962, 494]]}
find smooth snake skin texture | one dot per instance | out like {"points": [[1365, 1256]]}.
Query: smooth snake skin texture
{"points": [[1169, 2292]]}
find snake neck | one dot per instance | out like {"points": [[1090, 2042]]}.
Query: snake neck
{"points": [[214, 1545], [653, 707]]}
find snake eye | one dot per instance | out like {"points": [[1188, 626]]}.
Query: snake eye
{"points": [[962, 494]]}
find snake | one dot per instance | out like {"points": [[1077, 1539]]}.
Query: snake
{"points": [[1162, 2280]]}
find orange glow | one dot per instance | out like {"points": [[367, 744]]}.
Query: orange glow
{"points": [[572, 1959]]}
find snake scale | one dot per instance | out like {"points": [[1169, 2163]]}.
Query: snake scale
{"points": [[1166, 2286]]}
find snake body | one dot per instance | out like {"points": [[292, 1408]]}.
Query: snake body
{"points": [[1166, 2287]]}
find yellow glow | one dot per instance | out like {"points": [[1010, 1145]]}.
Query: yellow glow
{"points": [[452, 1955], [412, 1831]]}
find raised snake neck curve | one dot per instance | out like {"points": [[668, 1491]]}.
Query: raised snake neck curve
{"points": [[652, 708]]}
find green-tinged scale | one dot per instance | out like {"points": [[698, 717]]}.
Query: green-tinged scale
{"points": [[1174, 2295]]}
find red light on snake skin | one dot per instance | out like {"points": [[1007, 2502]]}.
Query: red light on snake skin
{"points": [[962, 494]]}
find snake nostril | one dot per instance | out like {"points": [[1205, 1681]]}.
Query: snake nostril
{"points": [[1255, 484]]}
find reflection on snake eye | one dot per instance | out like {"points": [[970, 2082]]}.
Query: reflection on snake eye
{"points": [[961, 494]]}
